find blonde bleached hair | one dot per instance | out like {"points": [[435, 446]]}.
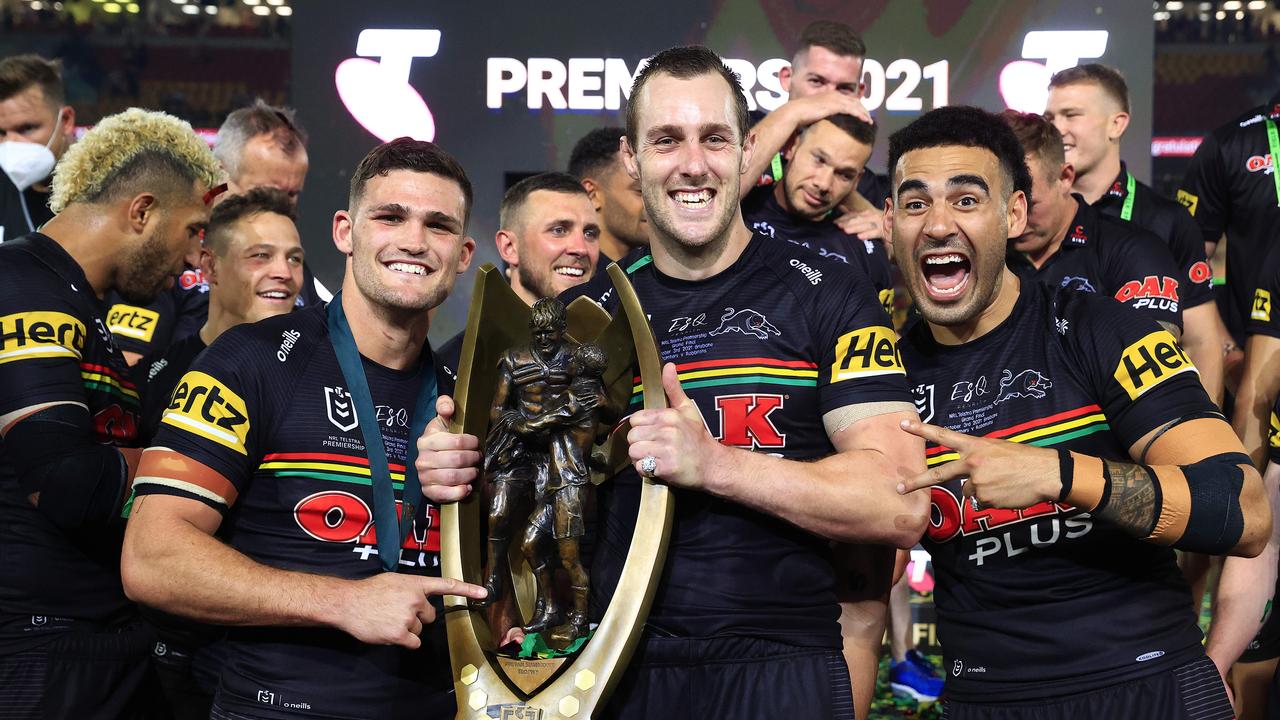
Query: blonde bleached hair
{"points": [[131, 152]]}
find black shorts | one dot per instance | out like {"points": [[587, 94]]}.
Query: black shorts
{"points": [[1266, 644], [731, 677], [82, 674], [1193, 691]]}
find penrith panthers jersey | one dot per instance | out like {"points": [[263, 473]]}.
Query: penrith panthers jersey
{"points": [[1048, 600], [765, 348], [265, 407]]}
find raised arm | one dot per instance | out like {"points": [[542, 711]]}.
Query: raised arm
{"points": [[773, 132]]}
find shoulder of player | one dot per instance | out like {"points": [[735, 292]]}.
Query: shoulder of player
{"points": [[22, 270], [1079, 317], [1116, 235], [804, 272], [283, 338]]}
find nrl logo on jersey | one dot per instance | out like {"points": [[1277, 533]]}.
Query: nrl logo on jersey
{"points": [[922, 396], [340, 409]]}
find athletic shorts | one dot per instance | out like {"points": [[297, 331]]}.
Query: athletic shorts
{"points": [[186, 693], [1193, 691], [731, 677], [82, 674], [1266, 644]]}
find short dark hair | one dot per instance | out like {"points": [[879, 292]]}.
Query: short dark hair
{"points": [[548, 314], [1107, 78], [855, 127], [834, 36], [687, 62], [516, 196], [405, 153], [967, 127], [1038, 137], [247, 123], [238, 207], [596, 153], [19, 72]]}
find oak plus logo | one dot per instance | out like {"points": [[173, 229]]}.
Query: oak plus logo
{"points": [[378, 94], [1024, 84]]}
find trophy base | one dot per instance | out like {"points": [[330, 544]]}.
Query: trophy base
{"points": [[530, 674]]}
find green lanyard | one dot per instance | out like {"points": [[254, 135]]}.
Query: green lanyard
{"points": [[1126, 212], [1273, 142]]}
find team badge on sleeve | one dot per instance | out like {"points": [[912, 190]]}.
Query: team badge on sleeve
{"points": [[202, 405], [1261, 306], [1151, 361], [867, 352], [136, 323], [29, 335]]}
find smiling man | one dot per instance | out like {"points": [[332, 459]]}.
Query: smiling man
{"points": [[286, 425], [783, 432], [1072, 447]]}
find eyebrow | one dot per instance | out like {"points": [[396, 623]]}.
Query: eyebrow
{"points": [[431, 215], [952, 182]]}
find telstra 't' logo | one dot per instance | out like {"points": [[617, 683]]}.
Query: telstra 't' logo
{"points": [[378, 94], [1024, 84]]}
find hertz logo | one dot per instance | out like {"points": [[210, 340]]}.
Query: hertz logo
{"points": [[204, 406], [1189, 201], [28, 335], [1149, 362], [1261, 306], [886, 301], [1274, 436], [866, 352], [132, 322]]}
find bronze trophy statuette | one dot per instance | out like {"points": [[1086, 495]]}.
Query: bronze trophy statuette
{"points": [[544, 388]]}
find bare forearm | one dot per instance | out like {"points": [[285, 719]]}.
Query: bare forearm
{"points": [[849, 497], [1258, 388], [174, 566], [772, 134], [1245, 590], [1203, 343]]}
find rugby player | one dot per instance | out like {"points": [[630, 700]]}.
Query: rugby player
{"points": [[1070, 447], [1089, 104], [1069, 243], [36, 128], [258, 146], [596, 161], [824, 164], [268, 439], [783, 430], [129, 199]]}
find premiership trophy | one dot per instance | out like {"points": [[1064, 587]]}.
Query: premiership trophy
{"points": [[544, 388]]}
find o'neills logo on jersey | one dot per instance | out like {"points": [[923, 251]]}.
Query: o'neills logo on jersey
{"points": [[810, 273], [132, 322], [1261, 305], [1005, 532], [202, 405], [28, 335], [866, 352], [1153, 291], [745, 422], [1151, 361]]}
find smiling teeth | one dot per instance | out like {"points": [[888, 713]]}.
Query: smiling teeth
{"points": [[693, 199], [571, 271], [943, 259], [407, 268], [274, 294]]}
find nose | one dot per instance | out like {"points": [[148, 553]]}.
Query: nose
{"points": [[576, 243], [940, 221], [693, 160], [280, 268], [822, 179]]}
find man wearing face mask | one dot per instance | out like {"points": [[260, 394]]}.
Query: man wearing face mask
{"points": [[36, 127]]}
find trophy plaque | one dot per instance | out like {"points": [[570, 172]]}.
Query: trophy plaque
{"points": [[542, 388]]}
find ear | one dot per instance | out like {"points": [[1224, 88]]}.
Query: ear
{"points": [[1119, 123], [209, 266], [784, 78], [748, 150], [593, 192], [1068, 175], [1016, 213], [142, 210], [629, 158], [342, 232], [68, 125], [505, 240], [789, 149], [465, 254], [886, 221]]}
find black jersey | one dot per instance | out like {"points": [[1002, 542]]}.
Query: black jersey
{"points": [[1172, 224], [763, 214], [765, 348], [1230, 188], [266, 408], [158, 374], [1048, 601], [21, 211], [1113, 258], [54, 347], [175, 314]]}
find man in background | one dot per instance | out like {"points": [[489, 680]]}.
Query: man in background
{"points": [[597, 163], [36, 128]]}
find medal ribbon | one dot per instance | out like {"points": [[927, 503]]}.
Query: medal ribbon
{"points": [[1273, 142], [1126, 212], [391, 530]]}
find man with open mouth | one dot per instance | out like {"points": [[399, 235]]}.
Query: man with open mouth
{"points": [[782, 433], [1071, 447]]}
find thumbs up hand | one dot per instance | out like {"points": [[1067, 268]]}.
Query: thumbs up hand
{"points": [[675, 437]]}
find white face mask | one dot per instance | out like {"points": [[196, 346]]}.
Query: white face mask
{"points": [[28, 163]]}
